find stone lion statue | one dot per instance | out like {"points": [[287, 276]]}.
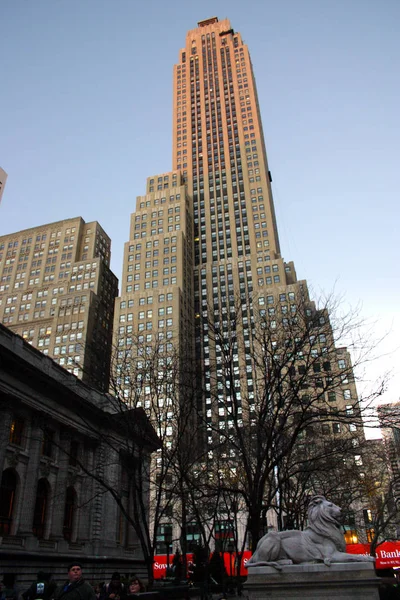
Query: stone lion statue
{"points": [[321, 541]]}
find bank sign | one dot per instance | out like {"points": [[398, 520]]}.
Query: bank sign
{"points": [[387, 554]]}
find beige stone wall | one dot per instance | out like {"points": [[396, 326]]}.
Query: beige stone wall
{"points": [[55, 284]]}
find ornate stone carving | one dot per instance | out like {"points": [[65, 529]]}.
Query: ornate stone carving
{"points": [[321, 541], [45, 467], [13, 459]]}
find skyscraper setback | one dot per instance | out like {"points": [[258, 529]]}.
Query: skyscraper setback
{"points": [[218, 195]]}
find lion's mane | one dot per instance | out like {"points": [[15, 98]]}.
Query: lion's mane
{"points": [[322, 522]]}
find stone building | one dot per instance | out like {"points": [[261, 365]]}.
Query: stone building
{"points": [[57, 291], [389, 421], [52, 438]]}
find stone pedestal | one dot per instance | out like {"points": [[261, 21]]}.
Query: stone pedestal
{"points": [[344, 581]]}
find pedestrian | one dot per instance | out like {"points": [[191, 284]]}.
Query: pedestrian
{"points": [[76, 587], [98, 587], [7, 590], [135, 586], [43, 589], [115, 590]]}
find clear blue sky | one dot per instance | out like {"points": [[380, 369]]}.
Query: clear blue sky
{"points": [[86, 116]]}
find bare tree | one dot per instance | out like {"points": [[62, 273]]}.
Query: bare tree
{"points": [[155, 377], [379, 485], [280, 380], [150, 408]]}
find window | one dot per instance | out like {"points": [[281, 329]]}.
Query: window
{"points": [[40, 512], [47, 444], [16, 431], [193, 535], [224, 534], [8, 490], [69, 513], [73, 453], [164, 538]]}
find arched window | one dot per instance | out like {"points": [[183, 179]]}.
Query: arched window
{"points": [[39, 516], [69, 513], [8, 488]]}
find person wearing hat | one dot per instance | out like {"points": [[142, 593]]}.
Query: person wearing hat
{"points": [[42, 589], [76, 587], [114, 590]]}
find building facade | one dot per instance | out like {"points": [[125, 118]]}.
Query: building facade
{"points": [[53, 442], [156, 301], [389, 421], [203, 268], [57, 291], [219, 147]]}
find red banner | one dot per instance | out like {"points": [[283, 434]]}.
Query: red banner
{"points": [[387, 556], [160, 563]]}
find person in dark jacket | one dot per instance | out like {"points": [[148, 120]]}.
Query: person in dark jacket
{"points": [[42, 589], [75, 588], [115, 590], [7, 589]]}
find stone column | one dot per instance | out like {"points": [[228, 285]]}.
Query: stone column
{"points": [[6, 420], [86, 498], [110, 508], [60, 488], [31, 479]]}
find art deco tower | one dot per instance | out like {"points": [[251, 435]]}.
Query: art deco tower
{"points": [[203, 275], [203, 241], [218, 145]]}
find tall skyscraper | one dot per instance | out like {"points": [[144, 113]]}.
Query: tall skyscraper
{"points": [[214, 214], [57, 291], [3, 179], [203, 269], [218, 146]]}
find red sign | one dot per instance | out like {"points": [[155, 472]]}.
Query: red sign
{"points": [[387, 556], [160, 564], [387, 553], [230, 561]]}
